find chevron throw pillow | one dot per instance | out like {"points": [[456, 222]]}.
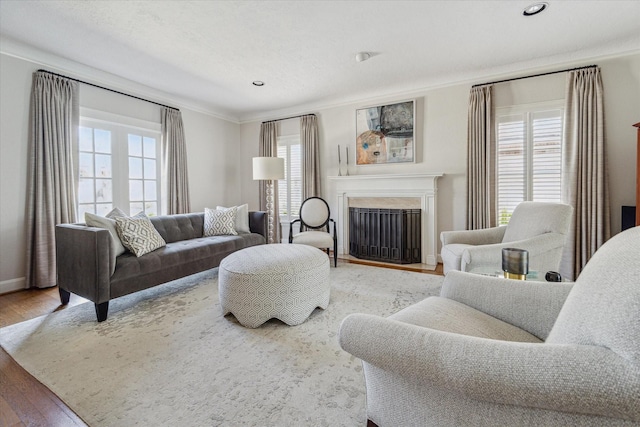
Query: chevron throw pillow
{"points": [[220, 222], [139, 235]]}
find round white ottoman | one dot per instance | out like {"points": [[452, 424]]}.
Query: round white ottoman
{"points": [[282, 281]]}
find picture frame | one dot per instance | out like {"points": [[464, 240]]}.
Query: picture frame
{"points": [[385, 134]]}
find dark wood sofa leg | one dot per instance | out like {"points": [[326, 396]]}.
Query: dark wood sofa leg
{"points": [[101, 311], [64, 296]]}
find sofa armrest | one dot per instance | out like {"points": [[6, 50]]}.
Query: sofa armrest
{"points": [[485, 236], [529, 305], [568, 378], [258, 222], [83, 261]]}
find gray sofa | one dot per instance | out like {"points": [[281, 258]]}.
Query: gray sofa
{"points": [[84, 260]]}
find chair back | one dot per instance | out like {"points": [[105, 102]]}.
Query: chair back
{"points": [[314, 213], [603, 308], [532, 219]]}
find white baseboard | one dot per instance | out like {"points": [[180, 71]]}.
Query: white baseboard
{"points": [[12, 285]]}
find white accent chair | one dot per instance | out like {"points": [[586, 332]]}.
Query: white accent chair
{"points": [[314, 217], [540, 228], [498, 352]]}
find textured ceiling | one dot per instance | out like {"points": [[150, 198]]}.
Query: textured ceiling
{"points": [[209, 52]]}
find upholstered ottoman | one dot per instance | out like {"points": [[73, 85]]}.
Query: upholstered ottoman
{"points": [[282, 281]]}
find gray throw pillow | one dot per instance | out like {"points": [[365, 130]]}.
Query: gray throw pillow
{"points": [[106, 222]]}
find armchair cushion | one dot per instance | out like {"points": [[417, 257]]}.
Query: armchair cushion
{"points": [[447, 315], [318, 239]]}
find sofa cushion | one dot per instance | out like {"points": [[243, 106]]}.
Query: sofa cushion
{"points": [[139, 235], [220, 222], [174, 228], [176, 259]]}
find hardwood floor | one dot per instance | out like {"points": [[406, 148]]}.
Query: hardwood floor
{"points": [[24, 401]]}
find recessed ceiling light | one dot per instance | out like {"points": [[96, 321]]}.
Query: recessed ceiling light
{"points": [[362, 56], [534, 9], [258, 83]]}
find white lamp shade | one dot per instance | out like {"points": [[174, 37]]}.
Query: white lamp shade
{"points": [[265, 168]]}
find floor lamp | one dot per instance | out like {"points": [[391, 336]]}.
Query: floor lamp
{"points": [[268, 169]]}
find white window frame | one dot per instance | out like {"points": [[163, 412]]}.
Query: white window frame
{"points": [[120, 127], [527, 111]]}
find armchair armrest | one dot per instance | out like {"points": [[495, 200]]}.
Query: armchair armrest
{"points": [[567, 378], [485, 236], [291, 229], [532, 306], [83, 261], [258, 223], [475, 257]]}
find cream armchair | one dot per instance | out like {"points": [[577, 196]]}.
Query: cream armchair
{"points": [[496, 352], [538, 227]]}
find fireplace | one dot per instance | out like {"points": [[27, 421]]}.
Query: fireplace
{"points": [[389, 235], [410, 191]]}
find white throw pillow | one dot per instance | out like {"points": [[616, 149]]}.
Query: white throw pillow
{"points": [[138, 234], [220, 222], [242, 217], [107, 222]]}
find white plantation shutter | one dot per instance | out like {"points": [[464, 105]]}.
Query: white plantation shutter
{"points": [[529, 164], [290, 188]]}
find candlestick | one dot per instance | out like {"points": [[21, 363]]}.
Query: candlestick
{"points": [[347, 160], [339, 165]]}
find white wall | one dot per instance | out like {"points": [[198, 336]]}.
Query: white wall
{"points": [[442, 134], [212, 155]]}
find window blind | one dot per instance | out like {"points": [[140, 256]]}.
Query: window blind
{"points": [[529, 164]]}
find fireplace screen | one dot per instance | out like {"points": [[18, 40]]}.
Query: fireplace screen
{"points": [[389, 235]]}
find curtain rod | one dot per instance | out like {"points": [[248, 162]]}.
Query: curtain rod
{"points": [[106, 88], [535, 75], [287, 118]]}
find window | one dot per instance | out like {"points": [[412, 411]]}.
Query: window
{"points": [[118, 165], [290, 188], [529, 156]]}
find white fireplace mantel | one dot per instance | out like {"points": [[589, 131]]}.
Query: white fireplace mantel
{"points": [[422, 186]]}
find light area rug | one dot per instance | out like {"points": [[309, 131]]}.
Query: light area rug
{"points": [[167, 356]]}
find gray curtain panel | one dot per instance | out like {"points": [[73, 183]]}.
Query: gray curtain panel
{"points": [[481, 192], [174, 158], [269, 148], [584, 171], [310, 156], [53, 145]]}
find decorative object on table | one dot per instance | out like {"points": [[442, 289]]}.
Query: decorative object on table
{"points": [[269, 169], [515, 263], [339, 164], [347, 161], [385, 134], [553, 276]]}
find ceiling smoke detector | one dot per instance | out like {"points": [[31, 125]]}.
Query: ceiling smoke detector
{"points": [[534, 9], [362, 56], [258, 83]]}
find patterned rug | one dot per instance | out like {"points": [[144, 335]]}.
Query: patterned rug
{"points": [[167, 356]]}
